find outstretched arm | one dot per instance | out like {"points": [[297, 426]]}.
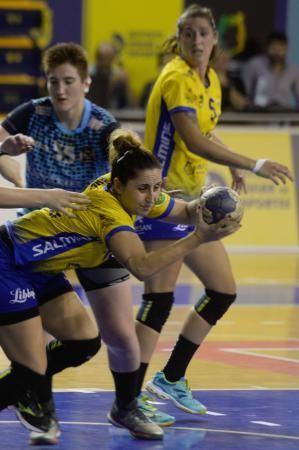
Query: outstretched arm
{"points": [[187, 126], [57, 199]]}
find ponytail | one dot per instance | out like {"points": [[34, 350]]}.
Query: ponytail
{"points": [[120, 141], [127, 155]]}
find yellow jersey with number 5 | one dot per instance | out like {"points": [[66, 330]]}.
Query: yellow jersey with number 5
{"points": [[179, 88]]}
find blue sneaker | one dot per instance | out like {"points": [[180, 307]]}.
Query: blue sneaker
{"points": [[178, 392], [151, 412]]}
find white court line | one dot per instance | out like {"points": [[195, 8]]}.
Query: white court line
{"points": [[250, 351], [268, 424], [208, 430], [229, 336], [212, 413], [273, 322]]}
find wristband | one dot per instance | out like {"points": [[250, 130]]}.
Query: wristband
{"points": [[258, 165]]}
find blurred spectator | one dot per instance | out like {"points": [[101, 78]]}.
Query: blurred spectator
{"points": [[232, 87], [271, 83], [162, 59], [110, 83]]}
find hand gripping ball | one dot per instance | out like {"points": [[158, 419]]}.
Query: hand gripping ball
{"points": [[221, 205]]}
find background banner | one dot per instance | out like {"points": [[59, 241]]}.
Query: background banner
{"points": [[271, 212], [136, 30], [271, 215]]}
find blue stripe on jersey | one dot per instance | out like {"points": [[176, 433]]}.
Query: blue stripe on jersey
{"points": [[164, 143], [182, 108], [47, 247], [168, 210], [117, 230]]}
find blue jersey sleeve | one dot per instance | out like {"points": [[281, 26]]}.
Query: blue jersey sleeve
{"points": [[17, 120]]}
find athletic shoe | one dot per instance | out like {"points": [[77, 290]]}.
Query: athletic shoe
{"points": [[51, 436], [178, 392], [135, 421], [151, 412], [30, 413]]}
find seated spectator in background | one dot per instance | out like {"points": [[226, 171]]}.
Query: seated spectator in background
{"points": [[271, 83], [110, 84], [232, 87], [162, 59]]}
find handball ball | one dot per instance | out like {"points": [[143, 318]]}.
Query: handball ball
{"points": [[221, 205]]}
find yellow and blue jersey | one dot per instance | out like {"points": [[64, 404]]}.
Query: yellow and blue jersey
{"points": [[179, 88], [50, 241]]}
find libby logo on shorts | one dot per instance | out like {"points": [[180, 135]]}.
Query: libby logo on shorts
{"points": [[21, 295]]}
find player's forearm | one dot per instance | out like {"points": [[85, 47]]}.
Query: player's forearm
{"points": [[27, 198], [152, 262], [187, 127], [219, 154]]}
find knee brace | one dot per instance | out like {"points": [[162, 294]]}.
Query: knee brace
{"points": [[213, 305], [155, 309], [63, 354]]}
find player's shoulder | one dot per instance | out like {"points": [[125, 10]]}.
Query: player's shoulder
{"points": [[213, 78], [99, 184], [101, 114], [42, 106], [176, 72]]}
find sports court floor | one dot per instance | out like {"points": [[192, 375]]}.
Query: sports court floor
{"points": [[247, 373]]}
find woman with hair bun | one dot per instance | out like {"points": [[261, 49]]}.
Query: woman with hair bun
{"points": [[36, 248], [182, 113]]}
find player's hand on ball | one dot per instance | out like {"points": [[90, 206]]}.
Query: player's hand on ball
{"points": [[213, 232], [221, 205]]}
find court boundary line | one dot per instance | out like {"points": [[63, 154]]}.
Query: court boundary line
{"points": [[207, 430]]}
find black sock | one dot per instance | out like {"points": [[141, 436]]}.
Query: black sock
{"points": [[179, 359], [7, 389], [15, 380], [125, 387], [141, 374], [40, 384]]}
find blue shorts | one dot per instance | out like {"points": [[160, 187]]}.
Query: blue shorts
{"points": [[156, 230], [22, 290]]}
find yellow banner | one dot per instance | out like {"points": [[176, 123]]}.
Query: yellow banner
{"points": [[271, 216], [137, 29]]}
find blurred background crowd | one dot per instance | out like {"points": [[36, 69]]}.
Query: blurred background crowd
{"points": [[257, 61]]}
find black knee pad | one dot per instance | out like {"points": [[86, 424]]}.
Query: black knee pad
{"points": [[213, 305], [155, 309], [63, 354]]}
